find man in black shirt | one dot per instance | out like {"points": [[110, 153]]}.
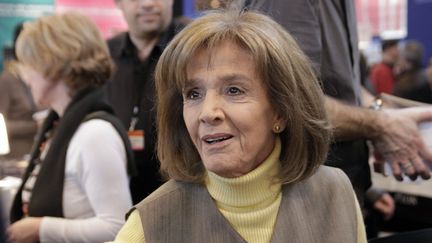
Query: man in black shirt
{"points": [[131, 89]]}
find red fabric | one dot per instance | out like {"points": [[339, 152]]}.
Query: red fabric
{"points": [[382, 78]]}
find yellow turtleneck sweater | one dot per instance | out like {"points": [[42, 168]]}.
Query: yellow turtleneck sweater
{"points": [[250, 203]]}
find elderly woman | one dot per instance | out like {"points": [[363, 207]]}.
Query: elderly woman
{"points": [[242, 134], [76, 186]]}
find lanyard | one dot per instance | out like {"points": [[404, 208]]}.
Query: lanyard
{"points": [[140, 74], [135, 118]]}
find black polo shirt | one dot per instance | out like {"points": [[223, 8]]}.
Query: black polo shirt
{"points": [[133, 85]]}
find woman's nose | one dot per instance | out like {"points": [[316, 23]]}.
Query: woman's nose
{"points": [[212, 109]]}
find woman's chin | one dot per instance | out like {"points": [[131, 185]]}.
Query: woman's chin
{"points": [[227, 172]]}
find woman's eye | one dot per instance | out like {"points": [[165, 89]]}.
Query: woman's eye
{"points": [[192, 95], [234, 91]]}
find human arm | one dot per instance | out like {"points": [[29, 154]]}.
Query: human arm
{"points": [[386, 100], [386, 205], [381, 201], [394, 133], [95, 167], [25, 230], [367, 98]]}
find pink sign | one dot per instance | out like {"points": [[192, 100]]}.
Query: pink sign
{"points": [[104, 12], [387, 18]]}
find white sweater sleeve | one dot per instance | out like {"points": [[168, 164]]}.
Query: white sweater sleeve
{"points": [[95, 171]]}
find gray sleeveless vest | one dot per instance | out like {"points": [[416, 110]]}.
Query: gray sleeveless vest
{"points": [[318, 209]]}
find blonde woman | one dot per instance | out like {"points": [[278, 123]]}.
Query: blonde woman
{"points": [[76, 186]]}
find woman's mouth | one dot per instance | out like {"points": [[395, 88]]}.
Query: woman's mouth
{"points": [[216, 139]]}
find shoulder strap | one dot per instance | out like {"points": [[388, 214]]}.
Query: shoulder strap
{"points": [[16, 212], [131, 167]]}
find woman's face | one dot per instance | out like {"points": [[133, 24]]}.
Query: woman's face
{"points": [[227, 112], [40, 87]]}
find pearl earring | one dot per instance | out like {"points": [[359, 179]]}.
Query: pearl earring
{"points": [[276, 128]]}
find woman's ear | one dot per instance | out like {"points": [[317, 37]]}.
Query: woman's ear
{"points": [[279, 125]]}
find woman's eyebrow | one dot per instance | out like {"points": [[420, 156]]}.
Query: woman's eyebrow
{"points": [[234, 77], [193, 81], [226, 78], [190, 83]]}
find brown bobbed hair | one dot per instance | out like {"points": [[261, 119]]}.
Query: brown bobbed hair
{"points": [[292, 89], [66, 47]]}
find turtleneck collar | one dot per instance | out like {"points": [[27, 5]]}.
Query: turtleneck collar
{"points": [[256, 188]]}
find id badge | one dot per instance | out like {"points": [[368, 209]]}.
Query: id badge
{"points": [[136, 138]]}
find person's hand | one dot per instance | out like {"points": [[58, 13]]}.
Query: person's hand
{"points": [[400, 143], [386, 205], [25, 230]]}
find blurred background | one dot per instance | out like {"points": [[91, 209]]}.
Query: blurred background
{"points": [[377, 20]]}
